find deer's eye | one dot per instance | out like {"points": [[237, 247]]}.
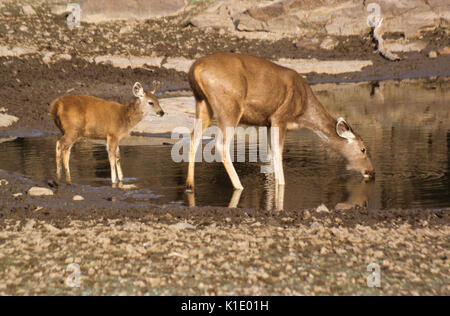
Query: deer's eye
{"points": [[363, 150], [150, 103]]}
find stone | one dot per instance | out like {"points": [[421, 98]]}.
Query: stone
{"points": [[404, 46], [7, 120], [23, 28], [182, 226], [29, 226], [444, 51], [304, 66], [37, 191], [28, 10], [94, 11], [16, 51], [179, 64], [433, 54], [322, 209], [131, 61], [3, 182], [78, 198], [329, 43], [334, 17], [48, 57]]}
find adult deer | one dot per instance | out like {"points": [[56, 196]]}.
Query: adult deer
{"points": [[239, 88], [79, 116]]}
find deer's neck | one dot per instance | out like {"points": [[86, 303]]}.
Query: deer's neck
{"points": [[134, 114], [319, 120]]}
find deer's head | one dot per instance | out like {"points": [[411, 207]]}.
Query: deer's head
{"points": [[149, 103], [352, 147]]}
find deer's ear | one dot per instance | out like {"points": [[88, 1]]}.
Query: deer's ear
{"points": [[155, 86], [138, 91], [344, 130]]}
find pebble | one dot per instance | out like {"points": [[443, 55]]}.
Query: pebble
{"points": [[78, 198], [28, 10], [36, 191], [433, 54], [3, 182], [322, 209], [182, 226]]}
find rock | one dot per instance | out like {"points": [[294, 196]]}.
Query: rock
{"points": [[28, 10], [51, 228], [432, 54], [78, 198], [63, 57], [331, 17], [7, 120], [3, 182], [444, 51], [126, 29], [48, 57], [182, 226], [36, 191], [29, 225], [304, 66], [94, 11], [322, 209], [179, 64], [17, 195], [16, 51], [404, 46], [23, 28], [131, 61], [329, 43]]}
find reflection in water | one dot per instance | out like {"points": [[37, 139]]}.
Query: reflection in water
{"points": [[406, 127]]}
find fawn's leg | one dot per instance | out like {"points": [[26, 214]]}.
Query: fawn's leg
{"points": [[111, 147], [65, 144], [58, 159], [118, 166]]}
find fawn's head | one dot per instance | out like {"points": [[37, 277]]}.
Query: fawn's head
{"points": [[149, 103]]}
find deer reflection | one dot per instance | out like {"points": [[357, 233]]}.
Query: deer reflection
{"points": [[359, 196]]}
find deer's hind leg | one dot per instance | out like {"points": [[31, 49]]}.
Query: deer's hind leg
{"points": [[204, 114], [228, 124], [63, 150]]}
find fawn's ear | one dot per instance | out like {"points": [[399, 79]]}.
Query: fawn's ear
{"points": [[344, 130], [138, 91], [156, 85]]}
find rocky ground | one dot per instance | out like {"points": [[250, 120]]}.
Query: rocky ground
{"points": [[121, 248], [125, 248]]}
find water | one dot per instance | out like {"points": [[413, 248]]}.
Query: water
{"points": [[406, 127]]}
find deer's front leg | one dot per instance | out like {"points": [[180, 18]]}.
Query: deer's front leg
{"points": [[277, 141], [111, 147]]}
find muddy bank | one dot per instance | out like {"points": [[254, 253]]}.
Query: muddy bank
{"points": [[29, 85]]}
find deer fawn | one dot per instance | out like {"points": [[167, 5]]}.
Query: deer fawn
{"points": [[239, 88], [79, 116]]}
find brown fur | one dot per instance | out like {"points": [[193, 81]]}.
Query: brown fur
{"points": [[79, 116], [239, 88]]}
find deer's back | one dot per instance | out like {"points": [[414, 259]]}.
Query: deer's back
{"points": [[260, 86], [87, 116]]}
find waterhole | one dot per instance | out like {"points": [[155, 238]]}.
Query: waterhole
{"points": [[405, 125]]}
